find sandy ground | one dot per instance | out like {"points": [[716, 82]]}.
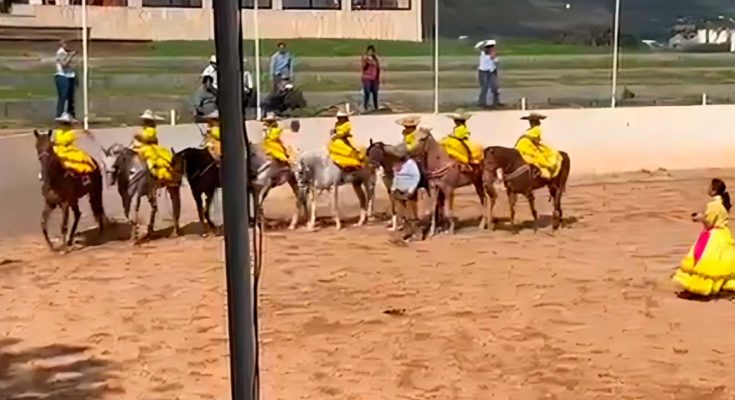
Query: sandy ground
{"points": [[586, 313]]}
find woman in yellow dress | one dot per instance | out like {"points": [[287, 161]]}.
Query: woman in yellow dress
{"points": [[538, 154], [145, 143], [341, 148], [213, 138], [72, 157], [458, 144], [272, 140], [709, 267]]}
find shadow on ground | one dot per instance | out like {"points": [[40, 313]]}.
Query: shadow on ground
{"points": [[54, 372]]}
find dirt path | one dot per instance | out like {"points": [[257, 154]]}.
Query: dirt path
{"points": [[587, 313]]}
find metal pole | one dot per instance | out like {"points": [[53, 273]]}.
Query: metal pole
{"points": [[616, 54], [85, 65], [256, 33], [227, 23], [436, 56]]}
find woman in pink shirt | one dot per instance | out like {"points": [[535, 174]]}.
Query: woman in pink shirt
{"points": [[370, 77]]}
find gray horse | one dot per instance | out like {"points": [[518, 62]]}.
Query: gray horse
{"points": [[266, 174], [130, 173], [317, 173]]}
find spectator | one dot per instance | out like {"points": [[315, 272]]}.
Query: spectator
{"points": [[211, 70], [488, 73], [370, 77], [281, 66], [65, 80], [205, 99]]}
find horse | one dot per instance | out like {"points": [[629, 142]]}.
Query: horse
{"points": [[444, 175], [130, 173], [202, 172], [64, 188], [521, 178], [265, 174], [316, 173]]}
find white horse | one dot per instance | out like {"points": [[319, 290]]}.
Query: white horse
{"points": [[316, 173]]}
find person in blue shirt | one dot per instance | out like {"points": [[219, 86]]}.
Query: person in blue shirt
{"points": [[281, 66]]}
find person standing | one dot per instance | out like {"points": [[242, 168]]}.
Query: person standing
{"points": [[211, 70], [488, 73], [370, 77], [65, 79], [281, 66]]}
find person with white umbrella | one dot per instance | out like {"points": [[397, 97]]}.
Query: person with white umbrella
{"points": [[487, 72]]}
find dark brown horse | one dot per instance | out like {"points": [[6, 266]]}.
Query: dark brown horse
{"points": [[444, 175], [62, 188], [521, 178]]}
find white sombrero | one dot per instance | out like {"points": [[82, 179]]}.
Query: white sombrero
{"points": [[486, 43], [270, 117], [213, 115], [66, 118], [213, 59], [148, 115]]}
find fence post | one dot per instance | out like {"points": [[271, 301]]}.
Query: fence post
{"points": [[523, 104], [704, 99]]}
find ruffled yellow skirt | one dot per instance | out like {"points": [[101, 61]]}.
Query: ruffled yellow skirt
{"points": [[709, 267], [74, 159], [344, 155], [158, 159], [458, 152]]}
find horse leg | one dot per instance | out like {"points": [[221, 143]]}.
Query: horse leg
{"points": [[47, 208], [532, 204], [295, 189], [134, 221], [207, 207], [75, 223], [335, 208], [434, 200], [153, 201], [311, 225], [175, 193], [480, 190], [555, 194], [491, 197], [363, 199], [64, 225], [260, 212], [200, 210], [448, 207], [512, 199]]}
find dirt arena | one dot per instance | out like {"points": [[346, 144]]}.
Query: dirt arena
{"points": [[586, 313]]}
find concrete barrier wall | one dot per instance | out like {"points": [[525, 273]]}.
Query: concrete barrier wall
{"points": [[139, 23]]}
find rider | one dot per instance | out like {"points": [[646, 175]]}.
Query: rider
{"points": [[547, 160], [145, 144], [341, 148], [409, 124], [272, 142], [72, 157], [212, 138], [458, 144]]}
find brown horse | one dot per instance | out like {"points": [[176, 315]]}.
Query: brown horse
{"points": [[521, 178], [444, 175], [62, 188]]}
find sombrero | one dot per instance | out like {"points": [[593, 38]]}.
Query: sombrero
{"points": [[411, 120], [148, 115], [534, 116], [270, 117], [460, 115], [213, 115]]}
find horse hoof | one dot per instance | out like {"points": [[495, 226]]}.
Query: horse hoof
{"points": [[292, 227]]}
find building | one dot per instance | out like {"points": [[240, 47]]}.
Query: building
{"points": [[721, 33], [192, 19]]}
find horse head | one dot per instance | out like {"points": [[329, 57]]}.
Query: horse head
{"points": [[112, 160], [375, 154], [423, 140], [43, 142]]}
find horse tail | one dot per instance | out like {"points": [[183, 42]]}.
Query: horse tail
{"points": [[95, 196], [566, 167]]}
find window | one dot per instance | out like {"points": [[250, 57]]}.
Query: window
{"points": [[173, 3], [101, 3], [381, 4], [249, 4], [312, 4]]}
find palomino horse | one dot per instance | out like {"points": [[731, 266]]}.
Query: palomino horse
{"points": [[203, 174], [130, 173], [521, 178], [444, 175], [316, 173], [64, 188]]}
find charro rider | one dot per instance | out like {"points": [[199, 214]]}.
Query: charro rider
{"points": [[547, 160], [73, 159], [409, 124], [212, 137], [458, 144], [342, 149], [273, 144], [145, 144]]}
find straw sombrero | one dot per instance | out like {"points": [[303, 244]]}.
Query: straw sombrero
{"points": [[270, 117], [411, 120], [66, 118], [148, 115], [534, 116], [460, 115], [213, 115]]}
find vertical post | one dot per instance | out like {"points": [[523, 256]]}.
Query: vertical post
{"points": [[85, 65], [173, 117], [523, 104], [227, 25], [616, 54], [436, 56], [704, 99], [256, 33]]}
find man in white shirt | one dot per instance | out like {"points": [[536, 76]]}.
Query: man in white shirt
{"points": [[488, 73], [65, 79], [211, 70]]}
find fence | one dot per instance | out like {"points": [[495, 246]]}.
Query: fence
{"points": [[558, 55]]}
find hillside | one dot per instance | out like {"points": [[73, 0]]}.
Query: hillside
{"points": [[640, 18]]}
